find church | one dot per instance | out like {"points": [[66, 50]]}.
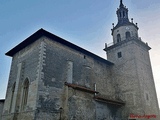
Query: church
{"points": [[54, 79]]}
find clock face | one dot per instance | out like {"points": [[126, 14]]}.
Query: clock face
{"points": [[127, 28]]}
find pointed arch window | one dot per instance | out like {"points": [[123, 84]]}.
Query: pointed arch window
{"points": [[25, 93], [118, 38], [12, 95], [128, 35]]}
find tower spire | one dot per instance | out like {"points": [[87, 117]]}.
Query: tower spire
{"points": [[122, 14], [121, 3]]}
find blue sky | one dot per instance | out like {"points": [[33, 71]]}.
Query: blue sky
{"points": [[86, 23]]}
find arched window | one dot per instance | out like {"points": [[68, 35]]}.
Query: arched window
{"points": [[120, 15], [25, 94], [128, 35], [123, 14], [118, 38], [12, 95]]}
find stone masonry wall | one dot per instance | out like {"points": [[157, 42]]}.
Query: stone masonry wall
{"points": [[1, 109], [124, 72], [54, 94], [134, 78], [48, 65], [24, 65]]}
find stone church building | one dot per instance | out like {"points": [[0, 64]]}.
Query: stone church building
{"points": [[53, 79]]}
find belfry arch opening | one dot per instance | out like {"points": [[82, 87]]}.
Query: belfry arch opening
{"points": [[118, 38], [123, 14], [128, 34]]}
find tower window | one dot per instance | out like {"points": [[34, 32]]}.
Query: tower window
{"points": [[119, 54], [128, 35], [25, 94], [118, 38], [147, 97]]}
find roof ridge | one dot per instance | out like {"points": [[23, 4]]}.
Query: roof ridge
{"points": [[41, 32]]}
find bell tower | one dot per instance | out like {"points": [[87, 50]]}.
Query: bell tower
{"points": [[132, 71], [124, 28]]}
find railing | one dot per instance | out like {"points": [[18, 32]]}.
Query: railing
{"points": [[125, 39], [110, 44]]}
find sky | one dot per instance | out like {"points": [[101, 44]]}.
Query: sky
{"points": [[86, 23]]}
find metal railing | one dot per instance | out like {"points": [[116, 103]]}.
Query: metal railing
{"points": [[125, 39]]}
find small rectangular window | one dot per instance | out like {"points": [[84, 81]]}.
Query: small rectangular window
{"points": [[119, 54], [147, 96]]}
